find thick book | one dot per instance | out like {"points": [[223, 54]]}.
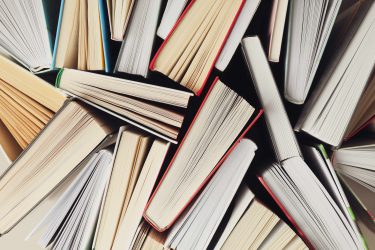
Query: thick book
{"points": [[119, 12], [290, 181], [28, 42], [191, 49], [127, 232], [276, 29], [172, 12], [27, 103], [354, 161], [135, 53], [79, 45], [73, 133], [195, 229], [310, 25], [221, 121], [155, 109], [234, 39], [132, 148], [328, 111], [78, 207]]}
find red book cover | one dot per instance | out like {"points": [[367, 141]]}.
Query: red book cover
{"points": [[152, 64], [257, 116], [290, 218]]}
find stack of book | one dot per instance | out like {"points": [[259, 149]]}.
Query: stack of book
{"points": [[133, 124]]}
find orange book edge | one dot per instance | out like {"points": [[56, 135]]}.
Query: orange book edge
{"points": [[290, 218], [152, 63], [257, 116]]}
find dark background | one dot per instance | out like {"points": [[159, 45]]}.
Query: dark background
{"points": [[238, 78]]}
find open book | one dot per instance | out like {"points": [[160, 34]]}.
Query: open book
{"points": [[29, 42], [222, 120], [82, 36], [27, 103], [65, 142], [189, 53], [328, 111], [150, 107], [310, 25]]}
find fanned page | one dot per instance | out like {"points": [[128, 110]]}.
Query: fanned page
{"points": [[189, 53], [119, 12], [32, 104], [171, 14], [78, 207], [135, 54], [238, 31], [219, 122], [159, 109], [24, 33], [343, 81], [310, 25], [79, 41], [64, 143]]}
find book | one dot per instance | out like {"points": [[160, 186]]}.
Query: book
{"points": [[71, 222], [148, 239], [25, 108], [276, 29], [128, 226], [119, 12], [354, 162], [197, 226], [191, 49], [364, 114], [222, 120], [290, 181], [234, 39], [344, 79], [19, 237], [316, 157], [172, 12], [25, 34], [155, 109], [129, 156], [310, 25], [65, 142], [135, 53], [82, 36], [240, 204], [260, 228]]}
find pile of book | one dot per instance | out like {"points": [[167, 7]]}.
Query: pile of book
{"points": [[159, 124]]}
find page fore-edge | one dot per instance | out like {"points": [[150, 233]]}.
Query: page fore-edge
{"points": [[152, 63]]}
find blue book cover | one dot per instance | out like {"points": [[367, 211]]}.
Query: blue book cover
{"points": [[104, 28]]}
